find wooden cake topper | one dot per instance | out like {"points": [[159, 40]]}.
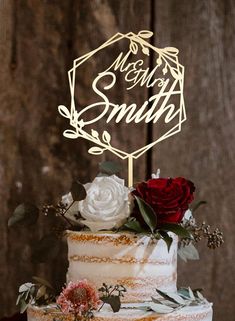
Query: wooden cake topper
{"points": [[166, 67]]}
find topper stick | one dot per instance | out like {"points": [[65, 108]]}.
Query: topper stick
{"points": [[130, 171]]}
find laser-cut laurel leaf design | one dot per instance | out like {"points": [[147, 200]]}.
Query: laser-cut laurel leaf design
{"points": [[69, 133], [159, 61], [96, 150], [175, 73], [94, 133], [171, 51], [133, 47], [164, 70], [64, 111], [145, 50], [145, 34], [106, 137]]}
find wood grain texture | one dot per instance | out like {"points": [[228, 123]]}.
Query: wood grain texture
{"points": [[39, 40], [203, 151]]}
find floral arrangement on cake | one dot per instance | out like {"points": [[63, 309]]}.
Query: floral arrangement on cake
{"points": [[81, 298], [154, 207]]}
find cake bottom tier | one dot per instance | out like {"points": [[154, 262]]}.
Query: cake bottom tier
{"points": [[194, 313]]}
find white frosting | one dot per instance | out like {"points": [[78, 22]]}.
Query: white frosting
{"points": [[137, 262], [194, 313]]}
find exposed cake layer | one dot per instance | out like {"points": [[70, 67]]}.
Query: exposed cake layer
{"points": [[137, 262], [196, 313]]}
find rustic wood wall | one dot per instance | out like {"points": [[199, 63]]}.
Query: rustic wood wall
{"points": [[38, 42]]}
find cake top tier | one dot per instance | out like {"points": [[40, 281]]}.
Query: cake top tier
{"points": [[140, 263]]}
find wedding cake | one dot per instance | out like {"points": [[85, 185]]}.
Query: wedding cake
{"points": [[126, 270]]}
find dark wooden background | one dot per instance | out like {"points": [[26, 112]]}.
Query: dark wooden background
{"points": [[38, 41]]}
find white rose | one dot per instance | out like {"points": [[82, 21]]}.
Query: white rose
{"points": [[106, 204]]}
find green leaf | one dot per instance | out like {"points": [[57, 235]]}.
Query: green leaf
{"points": [[184, 293], [134, 225], [47, 248], [172, 297], [113, 301], [41, 292], [110, 168], [188, 252], [197, 205], [165, 302], [191, 294], [42, 281], [168, 239], [160, 308], [147, 213], [19, 298], [23, 306], [25, 287], [78, 191], [177, 229], [25, 214], [200, 296]]}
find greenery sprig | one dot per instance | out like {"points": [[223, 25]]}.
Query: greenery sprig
{"points": [[111, 294], [170, 302], [154, 231], [39, 293], [27, 214]]}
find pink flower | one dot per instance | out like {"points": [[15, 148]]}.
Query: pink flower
{"points": [[78, 298]]}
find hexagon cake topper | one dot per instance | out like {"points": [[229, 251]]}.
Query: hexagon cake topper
{"points": [[166, 78]]}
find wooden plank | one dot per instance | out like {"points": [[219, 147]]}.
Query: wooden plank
{"points": [[37, 163], [203, 32]]}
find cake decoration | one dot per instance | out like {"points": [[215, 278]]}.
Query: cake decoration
{"points": [[166, 77]]}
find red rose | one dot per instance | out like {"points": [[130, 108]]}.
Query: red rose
{"points": [[169, 198]]}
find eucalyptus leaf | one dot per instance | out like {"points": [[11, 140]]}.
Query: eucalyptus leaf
{"points": [[184, 293], [25, 287], [188, 252], [191, 294], [177, 300], [168, 239], [47, 248], [177, 229], [200, 296], [147, 213], [165, 302], [78, 191], [160, 308], [110, 168], [19, 298], [172, 297], [25, 214], [113, 301]]}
